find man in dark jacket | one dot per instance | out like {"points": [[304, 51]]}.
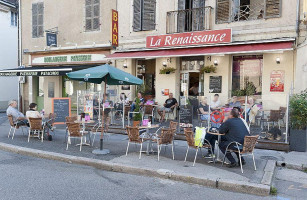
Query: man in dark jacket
{"points": [[235, 130]]}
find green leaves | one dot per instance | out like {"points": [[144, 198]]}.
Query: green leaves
{"points": [[298, 110]]}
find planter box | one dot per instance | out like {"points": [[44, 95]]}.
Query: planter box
{"points": [[298, 140]]}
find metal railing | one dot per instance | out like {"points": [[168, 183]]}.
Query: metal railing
{"points": [[196, 19], [247, 13]]}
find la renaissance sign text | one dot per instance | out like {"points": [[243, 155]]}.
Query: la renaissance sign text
{"points": [[189, 39]]}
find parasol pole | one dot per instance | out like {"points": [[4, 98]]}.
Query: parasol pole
{"points": [[102, 120]]}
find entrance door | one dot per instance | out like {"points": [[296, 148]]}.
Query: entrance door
{"points": [[40, 93]]}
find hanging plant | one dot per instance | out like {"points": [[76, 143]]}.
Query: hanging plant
{"points": [[207, 69], [167, 70]]}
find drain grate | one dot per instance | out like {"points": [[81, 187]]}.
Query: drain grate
{"points": [[268, 158]]}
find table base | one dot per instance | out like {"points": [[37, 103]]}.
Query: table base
{"points": [[101, 152]]}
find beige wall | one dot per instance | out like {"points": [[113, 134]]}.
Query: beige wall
{"points": [[57, 91], [300, 83]]}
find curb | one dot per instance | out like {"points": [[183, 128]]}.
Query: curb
{"points": [[223, 184], [269, 172], [291, 166]]}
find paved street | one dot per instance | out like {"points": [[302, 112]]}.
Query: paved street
{"points": [[3, 117], [34, 178]]}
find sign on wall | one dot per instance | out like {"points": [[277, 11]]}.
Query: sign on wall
{"points": [[51, 39], [189, 39], [215, 84], [70, 58], [114, 28], [277, 83]]}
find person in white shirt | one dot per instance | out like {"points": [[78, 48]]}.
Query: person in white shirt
{"points": [[215, 104], [33, 113]]}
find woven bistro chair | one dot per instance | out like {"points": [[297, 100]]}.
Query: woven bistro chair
{"points": [[171, 112], [274, 117], [166, 138], [189, 135], [74, 131], [149, 110], [134, 137], [97, 129], [37, 128], [244, 150], [14, 126]]}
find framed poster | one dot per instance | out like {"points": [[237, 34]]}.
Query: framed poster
{"points": [[215, 84], [277, 82]]}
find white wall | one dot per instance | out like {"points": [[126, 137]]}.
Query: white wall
{"points": [[8, 58]]}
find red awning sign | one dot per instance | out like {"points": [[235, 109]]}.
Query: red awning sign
{"points": [[188, 39]]}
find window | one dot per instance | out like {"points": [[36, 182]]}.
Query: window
{"points": [[92, 15], [244, 10], [144, 15], [13, 19], [247, 75], [37, 20]]}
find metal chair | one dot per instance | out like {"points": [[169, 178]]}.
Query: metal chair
{"points": [[149, 110], [166, 138], [37, 128], [134, 137], [243, 150], [69, 120], [189, 135], [97, 129], [14, 126], [171, 112], [274, 117], [74, 131]]}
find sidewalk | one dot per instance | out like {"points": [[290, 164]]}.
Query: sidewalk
{"points": [[252, 182]]}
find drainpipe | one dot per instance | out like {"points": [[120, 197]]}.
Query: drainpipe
{"points": [[297, 22], [19, 48]]}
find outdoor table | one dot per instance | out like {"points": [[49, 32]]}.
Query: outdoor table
{"points": [[217, 151], [83, 122], [149, 135]]}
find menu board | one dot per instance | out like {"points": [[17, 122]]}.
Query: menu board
{"points": [[215, 84], [186, 116], [61, 107]]}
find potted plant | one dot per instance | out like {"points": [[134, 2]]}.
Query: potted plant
{"points": [[137, 116], [167, 70], [298, 122], [207, 69]]}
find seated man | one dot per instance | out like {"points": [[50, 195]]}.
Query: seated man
{"points": [[235, 103], [142, 100], [215, 103], [18, 117], [235, 131], [204, 110], [168, 106]]}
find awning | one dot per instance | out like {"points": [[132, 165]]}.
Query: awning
{"points": [[40, 71], [209, 50]]}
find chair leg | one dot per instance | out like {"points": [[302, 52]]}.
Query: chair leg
{"points": [[186, 154], [240, 163], [42, 135], [224, 157], [81, 143], [173, 151], [141, 150], [159, 150], [68, 139], [195, 156], [9, 132], [254, 162], [29, 135], [213, 156], [127, 148], [14, 133], [93, 141]]}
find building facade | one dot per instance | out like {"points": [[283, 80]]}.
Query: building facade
{"points": [[8, 49], [256, 56], [58, 37]]}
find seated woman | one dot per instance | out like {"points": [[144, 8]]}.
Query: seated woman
{"points": [[251, 110], [204, 109], [33, 113]]}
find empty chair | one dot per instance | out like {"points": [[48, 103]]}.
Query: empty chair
{"points": [[166, 138], [169, 113], [74, 131], [189, 135], [149, 110], [274, 117], [36, 128], [243, 150], [134, 137], [14, 126]]}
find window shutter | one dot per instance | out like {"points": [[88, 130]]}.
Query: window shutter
{"points": [[137, 15], [272, 8], [198, 3], [181, 4], [92, 15], [222, 11], [149, 15], [181, 16], [34, 20]]}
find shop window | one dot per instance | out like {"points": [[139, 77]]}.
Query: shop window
{"points": [[92, 15], [144, 15], [37, 19], [247, 75], [244, 10]]}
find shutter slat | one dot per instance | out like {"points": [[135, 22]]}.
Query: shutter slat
{"points": [[149, 15], [137, 15], [272, 8], [222, 12], [92, 15]]}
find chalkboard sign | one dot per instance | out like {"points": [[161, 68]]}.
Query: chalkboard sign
{"points": [[61, 107], [215, 85], [185, 116], [51, 39]]}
